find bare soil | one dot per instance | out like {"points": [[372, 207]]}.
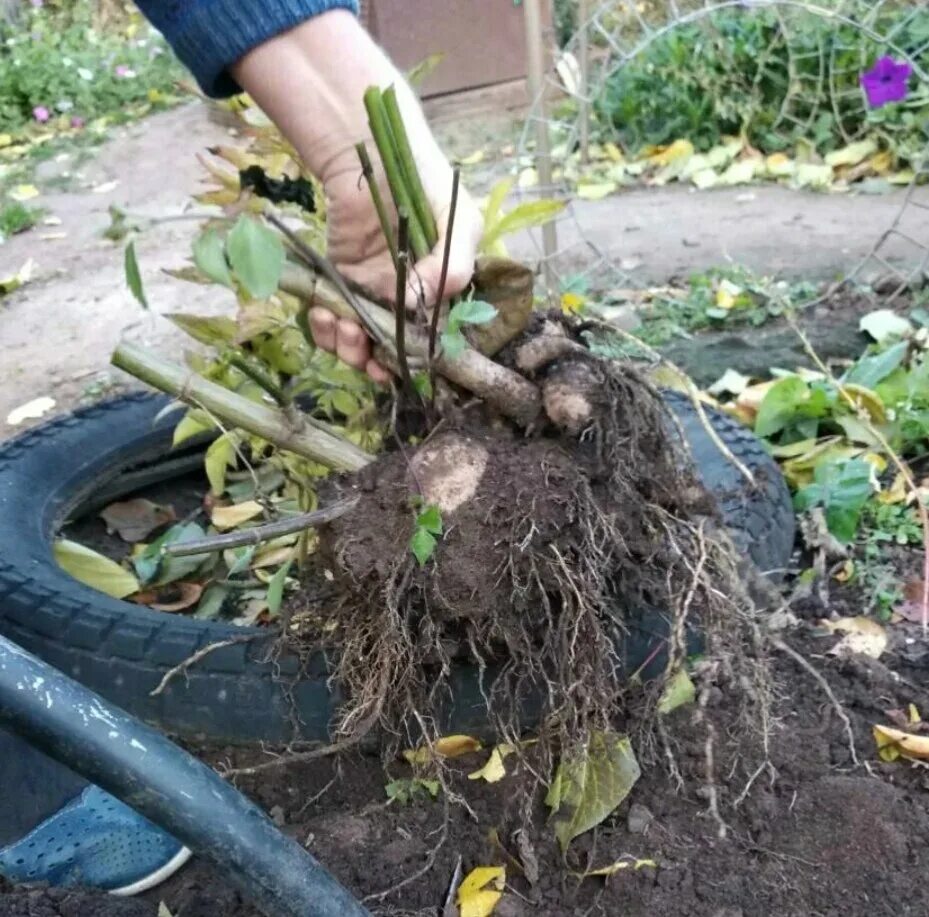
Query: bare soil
{"points": [[815, 836]]}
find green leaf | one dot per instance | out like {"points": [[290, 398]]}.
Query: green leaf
{"points": [[193, 423], [495, 199], [780, 405], [453, 343], [133, 277], [94, 570], [276, 588], [154, 566], [211, 603], [219, 457], [430, 519], [344, 402], [422, 544], [677, 692], [210, 257], [212, 330], [471, 312], [590, 783], [524, 216], [869, 371], [842, 489], [256, 255], [422, 384], [411, 789]]}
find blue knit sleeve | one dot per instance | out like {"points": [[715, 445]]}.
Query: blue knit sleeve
{"points": [[211, 35]]}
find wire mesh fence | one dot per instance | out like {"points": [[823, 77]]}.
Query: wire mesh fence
{"points": [[801, 81]]}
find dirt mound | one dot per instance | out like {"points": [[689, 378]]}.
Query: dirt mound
{"points": [[814, 836]]}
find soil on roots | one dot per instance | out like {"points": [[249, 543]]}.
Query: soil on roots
{"points": [[548, 543], [814, 836]]}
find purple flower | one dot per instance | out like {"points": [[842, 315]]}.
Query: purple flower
{"points": [[41, 113], [886, 82], [77, 122], [124, 72]]}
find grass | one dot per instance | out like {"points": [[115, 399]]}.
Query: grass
{"points": [[16, 217]]}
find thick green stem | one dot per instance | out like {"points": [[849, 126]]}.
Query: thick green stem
{"points": [[310, 442], [384, 140], [383, 216], [408, 165]]}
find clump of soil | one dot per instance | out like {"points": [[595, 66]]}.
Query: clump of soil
{"points": [[549, 542]]}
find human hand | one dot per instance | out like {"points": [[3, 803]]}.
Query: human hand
{"points": [[332, 60]]}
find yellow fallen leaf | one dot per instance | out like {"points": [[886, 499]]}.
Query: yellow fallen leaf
{"points": [[750, 399], [665, 155], [862, 635], [727, 296], [480, 891], [852, 154], [445, 747], [24, 193], [230, 517], [493, 770], [613, 152], [912, 715], [881, 163], [895, 743], [572, 303], [902, 178], [595, 191], [705, 178], [845, 572], [616, 867], [740, 173], [779, 165], [812, 175], [731, 382], [472, 160], [868, 401], [896, 493], [5, 140]]}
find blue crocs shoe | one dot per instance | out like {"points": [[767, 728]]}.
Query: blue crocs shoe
{"points": [[95, 841]]}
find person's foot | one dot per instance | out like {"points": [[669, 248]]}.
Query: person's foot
{"points": [[95, 841]]}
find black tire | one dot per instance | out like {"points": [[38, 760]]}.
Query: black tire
{"points": [[235, 694]]}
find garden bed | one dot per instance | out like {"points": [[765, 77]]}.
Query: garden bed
{"points": [[817, 835]]}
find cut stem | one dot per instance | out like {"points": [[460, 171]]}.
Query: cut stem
{"points": [[383, 216], [262, 533], [443, 277], [407, 162], [311, 442], [403, 257], [384, 140]]}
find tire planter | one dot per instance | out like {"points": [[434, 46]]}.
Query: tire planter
{"points": [[236, 694]]}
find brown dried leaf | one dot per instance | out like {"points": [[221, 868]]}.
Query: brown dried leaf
{"points": [[171, 598], [135, 520]]}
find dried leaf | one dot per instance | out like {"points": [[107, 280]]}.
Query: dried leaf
{"points": [[480, 890], [231, 517], [862, 635], [596, 191], [444, 747], [94, 570], [177, 597], [12, 282], [852, 154], [731, 382], [23, 193], [616, 867], [493, 770], [31, 410], [678, 691], [135, 520], [590, 783], [895, 743]]}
